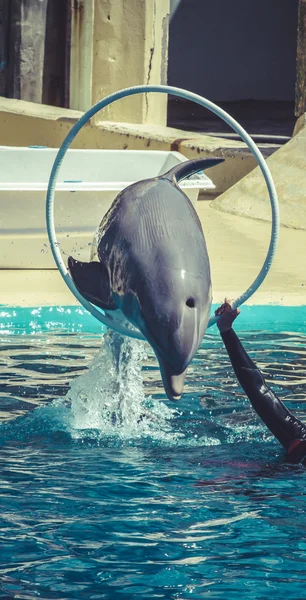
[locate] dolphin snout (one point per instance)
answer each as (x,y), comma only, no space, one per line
(176,339)
(173,383)
(177,346)
(185,338)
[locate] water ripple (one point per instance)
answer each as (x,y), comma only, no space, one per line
(216,512)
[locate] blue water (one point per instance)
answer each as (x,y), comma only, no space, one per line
(109,491)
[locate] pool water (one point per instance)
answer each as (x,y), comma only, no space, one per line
(110,491)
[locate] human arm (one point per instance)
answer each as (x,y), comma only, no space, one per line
(279,420)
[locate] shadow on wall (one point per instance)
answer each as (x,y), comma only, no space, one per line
(235,50)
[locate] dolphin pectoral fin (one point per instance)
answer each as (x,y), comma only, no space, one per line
(92,280)
(189,167)
(173,384)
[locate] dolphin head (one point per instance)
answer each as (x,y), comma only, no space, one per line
(172,312)
(170,307)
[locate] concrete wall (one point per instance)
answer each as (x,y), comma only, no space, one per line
(3,47)
(234,49)
(35,50)
(130,48)
(27,48)
(300,90)
(56,55)
(249,197)
(110,45)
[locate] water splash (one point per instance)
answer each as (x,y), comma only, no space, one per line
(109,404)
(106,405)
(110,400)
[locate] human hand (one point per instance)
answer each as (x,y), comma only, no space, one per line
(227,315)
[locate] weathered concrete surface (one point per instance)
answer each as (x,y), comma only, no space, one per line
(25,123)
(130,47)
(81,54)
(27,49)
(237,247)
(300,87)
(249,197)
(300,123)
(238,159)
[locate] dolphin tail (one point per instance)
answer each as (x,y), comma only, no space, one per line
(189,167)
(92,281)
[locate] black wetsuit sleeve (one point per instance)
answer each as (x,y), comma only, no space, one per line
(284,426)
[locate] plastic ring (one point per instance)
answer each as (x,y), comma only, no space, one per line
(107,319)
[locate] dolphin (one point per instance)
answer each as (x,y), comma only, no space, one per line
(153,266)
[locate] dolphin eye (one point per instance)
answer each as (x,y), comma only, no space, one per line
(190,302)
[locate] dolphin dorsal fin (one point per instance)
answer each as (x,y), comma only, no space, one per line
(186,168)
(92,280)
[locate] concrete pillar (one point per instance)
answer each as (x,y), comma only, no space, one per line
(28,26)
(81,54)
(130,47)
(57,55)
(300,90)
(4,24)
